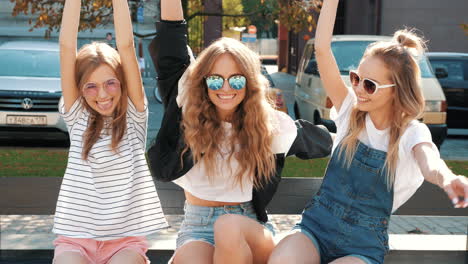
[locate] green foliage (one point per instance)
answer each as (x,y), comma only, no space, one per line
(465,28)
(295,15)
(195,25)
(46,13)
(266,17)
(234,7)
(42,162)
(298,15)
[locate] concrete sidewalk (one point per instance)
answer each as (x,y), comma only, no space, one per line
(33,232)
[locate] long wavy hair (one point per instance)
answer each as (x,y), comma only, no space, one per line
(88,59)
(252,129)
(400,58)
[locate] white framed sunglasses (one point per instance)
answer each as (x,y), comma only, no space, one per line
(369,86)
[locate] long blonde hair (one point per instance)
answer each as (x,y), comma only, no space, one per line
(88,59)
(252,130)
(408,101)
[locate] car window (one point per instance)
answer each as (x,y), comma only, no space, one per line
(29,63)
(454,69)
(348,54)
(309,63)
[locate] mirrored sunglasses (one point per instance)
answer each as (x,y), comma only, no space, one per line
(216,82)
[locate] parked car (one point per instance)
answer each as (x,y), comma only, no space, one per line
(312,103)
(30,90)
(275,94)
(452,71)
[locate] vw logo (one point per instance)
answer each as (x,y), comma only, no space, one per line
(27,103)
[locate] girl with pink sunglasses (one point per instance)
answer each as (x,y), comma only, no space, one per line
(107,202)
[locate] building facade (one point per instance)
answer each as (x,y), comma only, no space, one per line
(439,22)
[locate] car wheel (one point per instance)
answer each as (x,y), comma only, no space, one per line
(156,95)
(296,111)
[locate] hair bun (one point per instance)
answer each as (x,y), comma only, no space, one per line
(409,39)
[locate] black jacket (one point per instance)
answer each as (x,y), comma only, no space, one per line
(170,57)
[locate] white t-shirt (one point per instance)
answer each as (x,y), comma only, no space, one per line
(222,187)
(408,176)
(111,195)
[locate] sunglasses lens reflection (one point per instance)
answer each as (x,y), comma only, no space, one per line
(237,82)
(354,78)
(214,82)
(369,86)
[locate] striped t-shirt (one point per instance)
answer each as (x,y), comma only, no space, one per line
(110,195)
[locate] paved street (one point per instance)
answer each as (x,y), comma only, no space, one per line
(34,231)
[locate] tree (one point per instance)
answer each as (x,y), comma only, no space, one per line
(294,14)
(465,28)
(234,7)
(297,15)
(266,18)
(48,13)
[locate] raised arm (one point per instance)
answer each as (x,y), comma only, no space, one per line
(329,71)
(169,50)
(68,45)
(171,10)
(126,48)
(436,172)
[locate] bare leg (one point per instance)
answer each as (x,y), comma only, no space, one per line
(295,248)
(195,252)
(239,239)
(70,257)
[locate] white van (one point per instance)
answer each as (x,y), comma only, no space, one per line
(30,90)
(312,103)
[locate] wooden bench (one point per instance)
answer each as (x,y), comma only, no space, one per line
(38,195)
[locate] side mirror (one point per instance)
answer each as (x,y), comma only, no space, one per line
(441,73)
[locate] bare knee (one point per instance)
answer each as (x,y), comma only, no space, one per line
(278,259)
(295,248)
(227,232)
(194,253)
(70,257)
(127,256)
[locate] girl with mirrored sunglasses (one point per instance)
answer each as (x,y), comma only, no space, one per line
(223,142)
(381,154)
(108,201)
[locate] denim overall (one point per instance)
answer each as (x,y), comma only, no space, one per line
(350,213)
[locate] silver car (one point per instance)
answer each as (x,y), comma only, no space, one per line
(30,90)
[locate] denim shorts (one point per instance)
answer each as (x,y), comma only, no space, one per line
(337,233)
(198,224)
(313,239)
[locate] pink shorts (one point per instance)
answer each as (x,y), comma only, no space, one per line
(100,252)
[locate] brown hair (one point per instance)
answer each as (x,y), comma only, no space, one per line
(88,59)
(398,55)
(252,129)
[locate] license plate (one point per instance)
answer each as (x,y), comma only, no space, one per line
(26,120)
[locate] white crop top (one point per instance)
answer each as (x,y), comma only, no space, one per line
(222,187)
